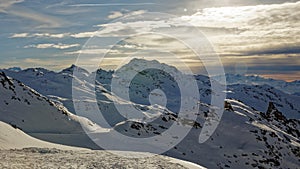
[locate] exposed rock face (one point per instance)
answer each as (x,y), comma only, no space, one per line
(274,113)
(228,106)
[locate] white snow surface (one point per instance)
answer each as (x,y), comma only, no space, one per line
(19,150)
(12,138)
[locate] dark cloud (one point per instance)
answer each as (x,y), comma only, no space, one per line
(275,51)
(266,69)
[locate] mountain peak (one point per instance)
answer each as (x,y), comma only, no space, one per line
(274,113)
(142,61)
(271,108)
(4,79)
(145,63)
(74,67)
(14,69)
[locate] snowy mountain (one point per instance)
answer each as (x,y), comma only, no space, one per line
(287,87)
(16,69)
(296,94)
(35,114)
(259,96)
(260,126)
(256,96)
(58,87)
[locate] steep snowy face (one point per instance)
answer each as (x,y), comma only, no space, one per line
(245,138)
(154,85)
(30,111)
(44,81)
(55,85)
(259,96)
(35,114)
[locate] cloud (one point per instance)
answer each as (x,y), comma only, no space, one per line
(118,14)
(5,4)
(138,12)
(111,4)
(263,29)
(115,14)
(88,51)
(236,31)
(83,34)
(50,45)
(51,35)
(274,50)
(39,35)
(20,35)
(45,20)
(259,35)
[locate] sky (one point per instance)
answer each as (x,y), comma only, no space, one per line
(251,37)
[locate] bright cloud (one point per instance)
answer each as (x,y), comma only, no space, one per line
(118,14)
(50,45)
(111,4)
(39,35)
(263,27)
(115,14)
(20,35)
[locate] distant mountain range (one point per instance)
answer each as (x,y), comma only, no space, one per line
(287,87)
(260,126)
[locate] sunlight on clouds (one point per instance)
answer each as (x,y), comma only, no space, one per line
(265,33)
(287,76)
(118,14)
(93,52)
(39,35)
(264,26)
(115,14)
(255,35)
(54,64)
(50,45)
(20,35)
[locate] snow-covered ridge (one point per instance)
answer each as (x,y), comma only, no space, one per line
(260,127)
(26,109)
(59,85)
(288,87)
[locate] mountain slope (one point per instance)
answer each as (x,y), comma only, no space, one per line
(35,114)
(287,87)
(259,96)
(13,138)
(245,138)
(42,154)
